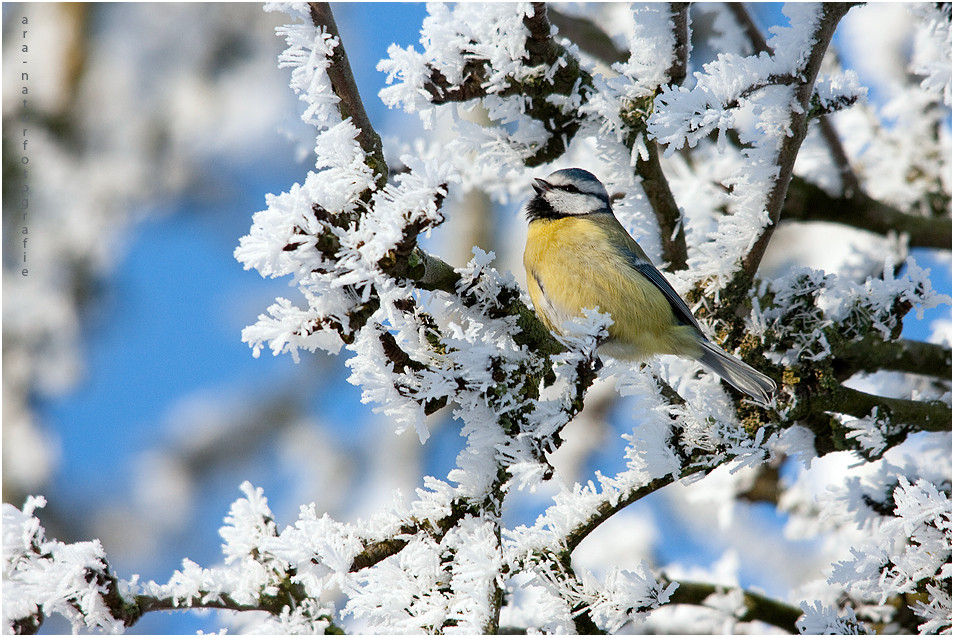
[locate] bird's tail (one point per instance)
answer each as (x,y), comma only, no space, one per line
(738,374)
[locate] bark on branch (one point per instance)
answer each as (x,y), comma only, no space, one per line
(672,233)
(808,202)
(680,31)
(904,415)
(872,354)
(351,105)
(757,607)
(589,36)
(831,14)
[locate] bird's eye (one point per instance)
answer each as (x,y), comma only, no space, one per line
(571,188)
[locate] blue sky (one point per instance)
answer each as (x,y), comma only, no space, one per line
(179,264)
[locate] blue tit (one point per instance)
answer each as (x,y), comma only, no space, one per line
(578,255)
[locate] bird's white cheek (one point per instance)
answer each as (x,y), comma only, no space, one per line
(560,201)
(574,203)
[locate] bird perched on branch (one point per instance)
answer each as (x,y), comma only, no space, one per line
(578,256)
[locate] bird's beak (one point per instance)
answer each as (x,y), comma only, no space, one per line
(541,186)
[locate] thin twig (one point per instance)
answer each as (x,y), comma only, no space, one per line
(849,180)
(672,233)
(680,31)
(351,105)
(752,31)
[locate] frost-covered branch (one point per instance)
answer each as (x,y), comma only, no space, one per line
(829,16)
(91,596)
(689,452)
(380,549)
(847,338)
(351,105)
(544,70)
(757,40)
(918,574)
(806,201)
(469,342)
(431,273)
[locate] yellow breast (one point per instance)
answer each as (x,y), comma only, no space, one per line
(571,264)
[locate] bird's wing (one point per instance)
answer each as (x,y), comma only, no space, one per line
(641,263)
(679,307)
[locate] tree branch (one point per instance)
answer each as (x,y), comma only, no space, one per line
(543,51)
(757,607)
(906,415)
(541,48)
(437,274)
(374,552)
(609,508)
(654,182)
(129,611)
(848,178)
(808,202)
(588,36)
(671,229)
(831,15)
(594,41)
(752,31)
(351,105)
(582,619)
(872,354)
(680,31)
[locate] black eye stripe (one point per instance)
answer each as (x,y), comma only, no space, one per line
(574,189)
